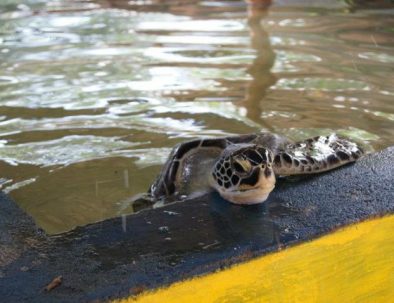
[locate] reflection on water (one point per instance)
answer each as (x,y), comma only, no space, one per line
(93,94)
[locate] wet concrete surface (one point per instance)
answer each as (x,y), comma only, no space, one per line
(124,256)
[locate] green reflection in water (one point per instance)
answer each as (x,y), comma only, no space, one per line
(322,84)
(381,57)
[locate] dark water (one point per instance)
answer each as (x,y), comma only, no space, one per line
(93,94)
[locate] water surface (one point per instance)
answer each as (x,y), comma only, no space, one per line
(93,94)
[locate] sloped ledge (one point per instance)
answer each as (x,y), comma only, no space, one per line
(119,256)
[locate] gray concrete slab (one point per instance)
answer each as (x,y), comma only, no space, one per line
(155,247)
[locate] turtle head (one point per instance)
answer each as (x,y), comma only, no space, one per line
(243,174)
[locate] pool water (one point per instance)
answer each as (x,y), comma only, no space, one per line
(94,94)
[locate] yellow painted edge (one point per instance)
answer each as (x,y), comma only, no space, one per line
(355,264)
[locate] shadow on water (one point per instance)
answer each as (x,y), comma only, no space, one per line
(260,69)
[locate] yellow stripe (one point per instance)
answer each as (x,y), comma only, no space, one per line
(355,264)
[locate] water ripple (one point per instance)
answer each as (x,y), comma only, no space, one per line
(321,84)
(64,151)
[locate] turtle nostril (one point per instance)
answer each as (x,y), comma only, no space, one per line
(267,172)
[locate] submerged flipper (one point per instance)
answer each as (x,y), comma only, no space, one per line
(183,167)
(316,155)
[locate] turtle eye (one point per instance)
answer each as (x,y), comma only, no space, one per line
(238,167)
(242,166)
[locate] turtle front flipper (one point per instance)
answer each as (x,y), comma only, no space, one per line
(315,155)
(187,168)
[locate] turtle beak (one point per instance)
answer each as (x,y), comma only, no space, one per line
(261,177)
(253,178)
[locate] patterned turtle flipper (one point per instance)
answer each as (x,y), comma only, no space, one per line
(315,155)
(169,180)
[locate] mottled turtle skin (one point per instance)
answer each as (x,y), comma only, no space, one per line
(243,168)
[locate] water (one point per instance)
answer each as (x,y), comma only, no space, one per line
(93,94)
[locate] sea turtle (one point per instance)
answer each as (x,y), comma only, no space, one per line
(243,168)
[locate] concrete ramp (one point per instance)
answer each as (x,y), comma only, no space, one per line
(153,248)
